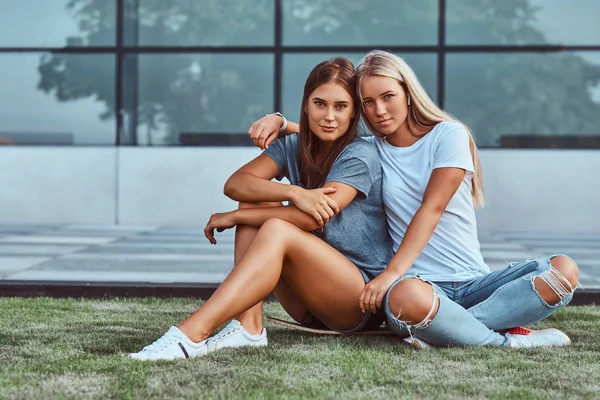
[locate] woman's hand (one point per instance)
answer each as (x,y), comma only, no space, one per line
(220,222)
(372,295)
(316,203)
(265,130)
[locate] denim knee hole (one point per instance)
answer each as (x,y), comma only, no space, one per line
(552,277)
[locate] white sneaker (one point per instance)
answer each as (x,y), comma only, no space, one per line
(418,344)
(541,338)
(234,335)
(172,345)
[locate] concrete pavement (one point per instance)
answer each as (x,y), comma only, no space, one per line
(179,258)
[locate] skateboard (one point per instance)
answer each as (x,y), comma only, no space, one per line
(297,326)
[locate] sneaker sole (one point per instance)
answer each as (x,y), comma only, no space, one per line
(417,344)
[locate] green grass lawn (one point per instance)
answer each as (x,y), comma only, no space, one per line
(53,348)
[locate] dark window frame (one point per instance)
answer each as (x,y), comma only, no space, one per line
(120,50)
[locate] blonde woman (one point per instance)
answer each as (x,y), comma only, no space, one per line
(437,288)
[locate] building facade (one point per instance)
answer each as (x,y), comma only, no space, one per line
(136,111)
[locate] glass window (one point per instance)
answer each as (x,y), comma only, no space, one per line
(502,95)
(187,94)
(57,98)
(204,23)
(296,68)
(34,23)
(359,22)
(476,22)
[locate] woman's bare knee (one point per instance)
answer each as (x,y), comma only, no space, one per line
(567,268)
(276,225)
(557,282)
(277,232)
(412,300)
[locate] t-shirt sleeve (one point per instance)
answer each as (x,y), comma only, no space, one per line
(351,171)
(369,139)
(277,152)
(453,150)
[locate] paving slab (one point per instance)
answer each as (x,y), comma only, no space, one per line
(37,249)
(30,239)
(74,233)
(548,235)
(587,244)
(158,249)
(16,230)
(119,228)
(588,280)
(164,239)
(178,231)
(140,266)
(118,276)
(10,265)
(109,255)
(204,258)
(570,251)
(169,245)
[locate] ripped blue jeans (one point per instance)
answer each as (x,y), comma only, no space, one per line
(472,312)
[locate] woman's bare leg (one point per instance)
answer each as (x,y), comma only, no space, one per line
(250,319)
(322,278)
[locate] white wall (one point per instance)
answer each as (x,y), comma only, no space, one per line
(57,185)
(527,190)
(176,186)
(541,190)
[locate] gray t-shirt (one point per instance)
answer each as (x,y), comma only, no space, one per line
(360,230)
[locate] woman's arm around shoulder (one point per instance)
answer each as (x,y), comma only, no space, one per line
(265,130)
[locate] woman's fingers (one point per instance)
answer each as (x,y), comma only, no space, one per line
(266,137)
(329,190)
(329,210)
(373,302)
(264,133)
(361,299)
(270,139)
(379,301)
(251,130)
(330,202)
(317,216)
(324,215)
(209,232)
(260,131)
(370,298)
(364,299)
(255,132)
(333,205)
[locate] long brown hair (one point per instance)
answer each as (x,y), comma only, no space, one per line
(339,71)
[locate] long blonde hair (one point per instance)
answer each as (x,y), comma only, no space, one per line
(422,110)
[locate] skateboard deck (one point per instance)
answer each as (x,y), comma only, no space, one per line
(297,326)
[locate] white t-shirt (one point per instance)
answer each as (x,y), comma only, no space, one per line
(453,252)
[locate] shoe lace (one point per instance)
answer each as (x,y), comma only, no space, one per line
(228,330)
(163,341)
